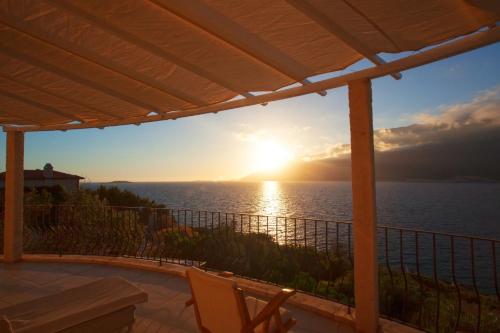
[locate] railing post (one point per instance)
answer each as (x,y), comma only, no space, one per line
(14,188)
(364,208)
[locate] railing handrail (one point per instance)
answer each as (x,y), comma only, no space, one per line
(380,226)
(440,233)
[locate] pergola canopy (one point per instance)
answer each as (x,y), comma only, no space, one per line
(92,63)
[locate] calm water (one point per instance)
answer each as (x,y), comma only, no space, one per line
(471,209)
(465,208)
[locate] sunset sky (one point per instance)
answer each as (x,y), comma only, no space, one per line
(232,144)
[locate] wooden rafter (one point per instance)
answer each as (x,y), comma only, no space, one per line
(373,24)
(59,96)
(98,60)
(220,27)
(40,106)
(447,50)
(20,117)
(317,16)
(93,84)
(153,49)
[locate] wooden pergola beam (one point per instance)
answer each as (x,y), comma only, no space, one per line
(20,117)
(14,191)
(458,46)
(364,207)
(92,84)
(234,35)
(42,107)
(59,96)
(99,60)
(314,14)
(160,52)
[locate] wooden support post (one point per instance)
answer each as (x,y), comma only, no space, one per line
(364,208)
(14,191)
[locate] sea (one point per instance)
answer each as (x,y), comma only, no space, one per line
(465,209)
(471,209)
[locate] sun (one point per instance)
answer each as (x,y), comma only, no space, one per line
(271,155)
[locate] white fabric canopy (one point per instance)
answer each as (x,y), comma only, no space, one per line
(92,61)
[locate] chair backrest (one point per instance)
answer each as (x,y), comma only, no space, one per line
(216,300)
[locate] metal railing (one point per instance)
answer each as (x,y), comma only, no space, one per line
(435,281)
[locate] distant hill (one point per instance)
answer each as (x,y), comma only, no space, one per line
(472,155)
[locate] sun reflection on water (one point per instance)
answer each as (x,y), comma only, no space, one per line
(271,202)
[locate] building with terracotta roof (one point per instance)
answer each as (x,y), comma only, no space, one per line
(46,178)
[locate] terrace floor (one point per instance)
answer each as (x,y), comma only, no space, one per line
(164,312)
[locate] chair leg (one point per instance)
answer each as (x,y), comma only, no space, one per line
(288,325)
(279,323)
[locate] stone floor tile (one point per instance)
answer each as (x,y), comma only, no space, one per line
(164,312)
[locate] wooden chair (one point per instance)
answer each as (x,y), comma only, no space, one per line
(220,307)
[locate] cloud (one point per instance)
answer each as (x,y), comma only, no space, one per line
(332,151)
(480,113)
(447,123)
(483,109)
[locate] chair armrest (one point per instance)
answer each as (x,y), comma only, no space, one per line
(272,307)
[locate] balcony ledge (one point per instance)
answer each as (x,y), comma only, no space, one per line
(322,307)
